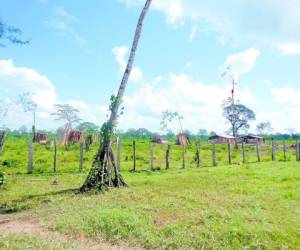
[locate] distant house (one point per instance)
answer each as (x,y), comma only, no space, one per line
(159,140)
(41,138)
(222,139)
(183,139)
(252,139)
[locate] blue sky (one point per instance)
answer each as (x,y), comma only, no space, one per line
(78,49)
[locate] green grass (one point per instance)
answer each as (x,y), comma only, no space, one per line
(250,206)
(25,241)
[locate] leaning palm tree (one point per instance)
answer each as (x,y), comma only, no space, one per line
(104,173)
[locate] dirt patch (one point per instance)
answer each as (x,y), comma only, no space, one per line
(9,225)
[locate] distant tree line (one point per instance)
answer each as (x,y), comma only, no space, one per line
(143,133)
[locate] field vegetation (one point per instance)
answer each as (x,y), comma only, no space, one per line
(252,205)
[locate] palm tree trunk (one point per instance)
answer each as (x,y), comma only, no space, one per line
(104,172)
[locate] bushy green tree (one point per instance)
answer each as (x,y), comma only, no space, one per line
(238,116)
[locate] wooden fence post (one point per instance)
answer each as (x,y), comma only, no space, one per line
(55,181)
(54,157)
(118,153)
(229,153)
(30,158)
(297,151)
(81,156)
(134,155)
(214,160)
(2,138)
(167,157)
(198,159)
(183,155)
(273,150)
(284,150)
(151,156)
(257,151)
(244,152)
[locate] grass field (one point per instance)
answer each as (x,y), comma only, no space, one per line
(250,206)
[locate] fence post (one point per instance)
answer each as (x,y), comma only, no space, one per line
(244,152)
(183,155)
(54,157)
(297,151)
(257,151)
(167,157)
(134,155)
(81,156)
(151,156)
(118,153)
(2,138)
(30,157)
(229,154)
(198,159)
(273,150)
(284,150)
(214,160)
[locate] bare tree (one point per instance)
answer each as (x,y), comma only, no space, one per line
(234,82)
(4,109)
(168,117)
(104,172)
(67,114)
(264,128)
(30,106)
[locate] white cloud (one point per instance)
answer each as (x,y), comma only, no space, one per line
(199,103)
(287,96)
(193,33)
(63,22)
(289,48)
(262,22)
(242,63)
(16,80)
(173,9)
(120,53)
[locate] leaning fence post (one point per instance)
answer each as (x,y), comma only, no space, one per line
(167,157)
(54,157)
(134,155)
(284,150)
(118,153)
(257,151)
(244,152)
(229,153)
(214,160)
(183,155)
(151,156)
(30,158)
(81,156)
(198,159)
(273,150)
